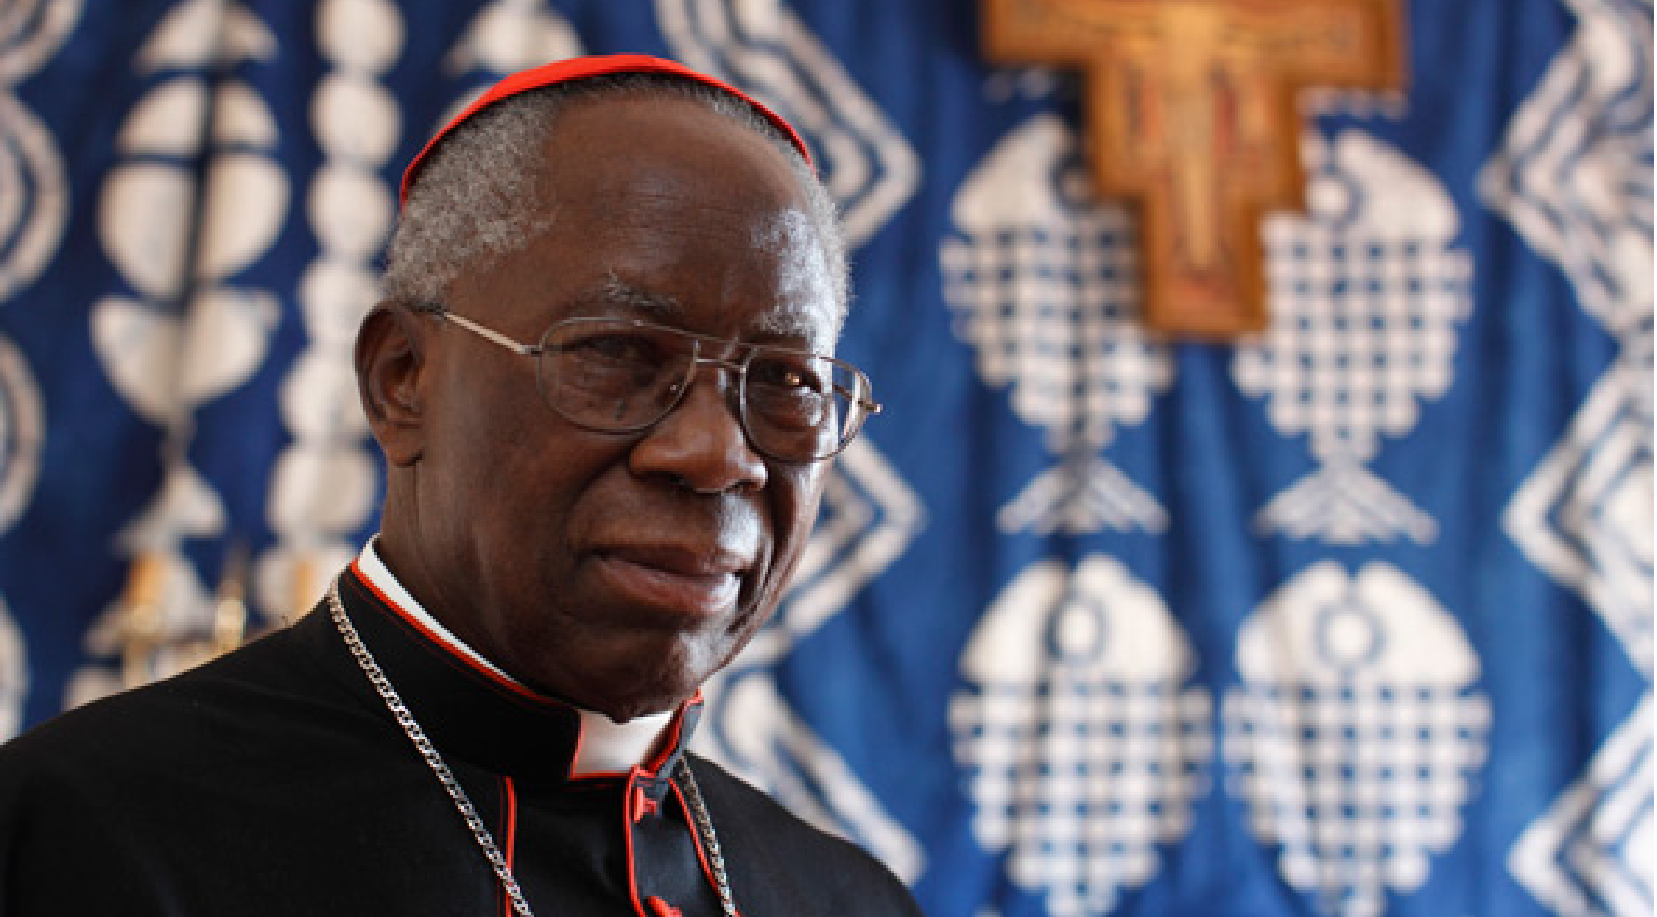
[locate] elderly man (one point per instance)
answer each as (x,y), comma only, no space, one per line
(602,383)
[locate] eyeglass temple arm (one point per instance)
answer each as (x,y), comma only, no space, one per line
(872,407)
(485,333)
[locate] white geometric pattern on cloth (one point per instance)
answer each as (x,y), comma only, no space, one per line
(21,435)
(179,233)
(1082,745)
(1356,733)
(1591,853)
(1574,177)
(14,674)
(1574,173)
(507,36)
(1044,283)
(869,517)
(869,167)
(324,483)
(22,432)
(511,35)
(1585,514)
(31,169)
(1365,294)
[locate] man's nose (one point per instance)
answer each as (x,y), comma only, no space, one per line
(701,441)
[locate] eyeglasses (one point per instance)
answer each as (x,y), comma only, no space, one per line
(619,375)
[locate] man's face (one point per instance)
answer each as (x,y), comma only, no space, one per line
(619,570)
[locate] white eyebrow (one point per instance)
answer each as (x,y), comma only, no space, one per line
(657,305)
(790,322)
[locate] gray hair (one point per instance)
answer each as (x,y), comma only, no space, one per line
(477,197)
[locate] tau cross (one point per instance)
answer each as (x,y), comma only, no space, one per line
(1192,114)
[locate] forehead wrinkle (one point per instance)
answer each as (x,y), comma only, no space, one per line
(784,320)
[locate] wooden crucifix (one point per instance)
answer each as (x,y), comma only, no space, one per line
(1191,116)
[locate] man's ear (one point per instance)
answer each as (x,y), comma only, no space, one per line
(390,356)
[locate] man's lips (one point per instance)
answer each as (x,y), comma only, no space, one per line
(677,579)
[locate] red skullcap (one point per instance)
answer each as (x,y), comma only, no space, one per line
(577,68)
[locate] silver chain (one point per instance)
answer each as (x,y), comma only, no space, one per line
(480,832)
(704,825)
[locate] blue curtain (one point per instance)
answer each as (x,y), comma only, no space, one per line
(1353,617)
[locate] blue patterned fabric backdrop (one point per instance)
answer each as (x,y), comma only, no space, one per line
(1352,618)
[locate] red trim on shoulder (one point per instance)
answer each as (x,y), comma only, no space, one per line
(436,640)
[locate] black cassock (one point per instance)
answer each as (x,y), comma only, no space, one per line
(275,781)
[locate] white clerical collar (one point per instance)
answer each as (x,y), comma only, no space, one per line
(606,747)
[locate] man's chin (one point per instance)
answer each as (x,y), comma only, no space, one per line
(624,689)
(623,708)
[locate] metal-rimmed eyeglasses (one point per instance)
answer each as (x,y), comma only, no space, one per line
(623,375)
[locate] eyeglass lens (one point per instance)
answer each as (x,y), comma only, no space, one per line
(620,376)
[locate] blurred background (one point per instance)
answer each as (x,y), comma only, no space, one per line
(1261,518)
